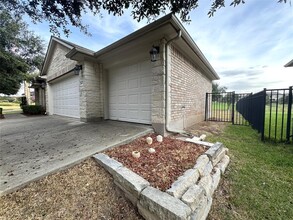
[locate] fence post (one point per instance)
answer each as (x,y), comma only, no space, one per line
(233,110)
(206,107)
(289,115)
(264,114)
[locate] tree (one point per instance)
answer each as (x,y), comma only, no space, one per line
(61,13)
(218,89)
(21,52)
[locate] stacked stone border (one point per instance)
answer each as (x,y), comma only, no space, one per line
(190,196)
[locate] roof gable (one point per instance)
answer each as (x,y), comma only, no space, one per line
(50,51)
(51,47)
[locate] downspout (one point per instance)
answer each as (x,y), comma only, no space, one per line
(167,83)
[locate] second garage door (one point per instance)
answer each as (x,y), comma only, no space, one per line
(130,93)
(66,97)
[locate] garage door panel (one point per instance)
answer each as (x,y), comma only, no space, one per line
(133,83)
(66,97)
(137,105)
(145,81)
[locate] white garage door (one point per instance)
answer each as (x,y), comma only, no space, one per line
(130,93)
(66,97)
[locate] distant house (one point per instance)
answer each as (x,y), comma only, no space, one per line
(290,64)
(39,85)
(119,82)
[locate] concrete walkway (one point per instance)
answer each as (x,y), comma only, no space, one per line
(32,147)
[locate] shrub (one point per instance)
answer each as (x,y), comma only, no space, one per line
(33,109)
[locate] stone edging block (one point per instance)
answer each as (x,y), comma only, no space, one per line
(214,151)
(132,182)
(190,196)
(201,163)
(163,205)
(180,186)
(193,196)
(108,163)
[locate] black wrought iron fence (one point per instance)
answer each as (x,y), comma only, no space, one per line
(252,109)
(268,111)
(221,107)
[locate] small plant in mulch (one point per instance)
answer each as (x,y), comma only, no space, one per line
(171,159)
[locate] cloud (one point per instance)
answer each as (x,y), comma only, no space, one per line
(249,72)
(254,80)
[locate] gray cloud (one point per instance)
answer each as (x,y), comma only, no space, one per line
(244,72)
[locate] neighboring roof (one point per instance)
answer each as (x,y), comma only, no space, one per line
(290,64)
(169,19)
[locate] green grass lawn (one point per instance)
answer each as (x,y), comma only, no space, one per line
(276,122)
(10,107)
(258,183)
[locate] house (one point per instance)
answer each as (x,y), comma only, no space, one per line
(119,82)
(39,85)
(289,64)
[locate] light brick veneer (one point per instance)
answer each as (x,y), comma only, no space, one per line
(158,92)
(188,89)
(59,64)
(91,92)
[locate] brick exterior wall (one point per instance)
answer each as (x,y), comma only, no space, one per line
(188,88)
(91,92)
(59,64)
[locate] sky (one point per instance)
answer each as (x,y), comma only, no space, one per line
(248,45)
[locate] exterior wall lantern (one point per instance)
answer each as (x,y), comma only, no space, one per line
(43,85)
(77,69)
(154,53)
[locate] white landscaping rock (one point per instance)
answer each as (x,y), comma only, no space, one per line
(202,137)
(163,205)
(193,196)
(108,163)
(180,186)
(208,144)
(130,181)
(201,163)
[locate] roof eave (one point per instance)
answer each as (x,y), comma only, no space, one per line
(289,64)
(194,47)
(76,51)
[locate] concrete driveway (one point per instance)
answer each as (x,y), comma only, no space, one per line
(32,147)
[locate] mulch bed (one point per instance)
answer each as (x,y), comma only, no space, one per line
(171,159)
(85,191)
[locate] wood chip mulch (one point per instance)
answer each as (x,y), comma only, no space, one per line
(85,191)
(171,159)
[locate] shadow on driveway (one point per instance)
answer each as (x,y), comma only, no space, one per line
(32,147)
